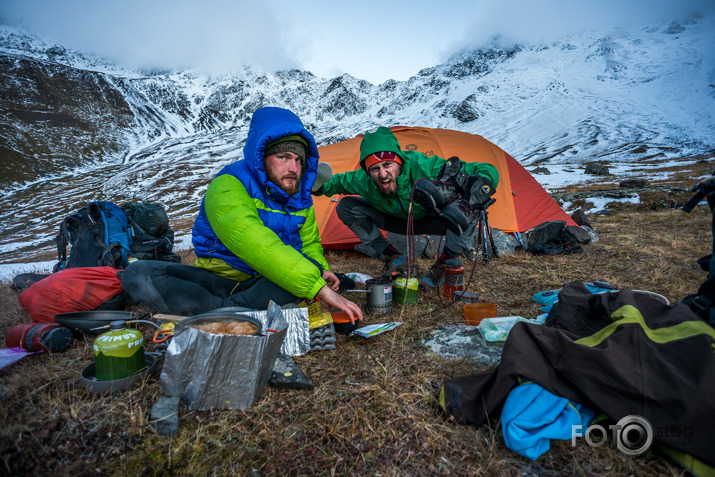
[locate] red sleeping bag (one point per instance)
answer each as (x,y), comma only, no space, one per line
(70,290)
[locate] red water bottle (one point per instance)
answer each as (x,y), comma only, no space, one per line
(453,277)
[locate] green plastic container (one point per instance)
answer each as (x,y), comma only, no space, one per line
(118,353)
(406,291)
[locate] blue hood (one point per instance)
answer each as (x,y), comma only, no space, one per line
(267,125)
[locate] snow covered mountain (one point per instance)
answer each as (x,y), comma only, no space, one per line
(74,128)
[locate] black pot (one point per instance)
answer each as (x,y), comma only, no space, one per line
(86,321)
(220,314)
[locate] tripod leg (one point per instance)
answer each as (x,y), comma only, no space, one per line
(483,226)
(491,237)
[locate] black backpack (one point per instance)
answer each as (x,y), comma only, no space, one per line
(99,235)
(152,239)
(703,302)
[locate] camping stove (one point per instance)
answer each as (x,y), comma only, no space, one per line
(379,296)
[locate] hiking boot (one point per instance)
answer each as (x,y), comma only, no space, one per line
(478,192)
(434,276)
(390,253)
(367,250)
(434,195)
(452,173)
(458,216)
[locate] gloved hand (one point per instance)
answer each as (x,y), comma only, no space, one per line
(479,192)
(324,174)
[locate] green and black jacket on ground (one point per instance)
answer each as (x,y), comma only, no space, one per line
(623,353)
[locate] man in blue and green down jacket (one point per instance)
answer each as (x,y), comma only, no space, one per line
(255,237)
(447,196)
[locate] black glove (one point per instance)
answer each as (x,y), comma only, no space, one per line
(479,192)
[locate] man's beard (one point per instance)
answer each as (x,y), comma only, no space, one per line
(285,188)
(389,193)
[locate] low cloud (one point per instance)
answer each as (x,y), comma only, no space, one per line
(213,36)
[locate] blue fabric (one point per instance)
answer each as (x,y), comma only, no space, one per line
(532,416)
(549,297)
(267,125)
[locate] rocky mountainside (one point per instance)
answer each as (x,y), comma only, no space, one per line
(75,128)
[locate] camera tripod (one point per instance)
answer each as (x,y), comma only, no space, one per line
(484,236)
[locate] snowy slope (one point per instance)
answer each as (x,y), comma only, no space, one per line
(75,128)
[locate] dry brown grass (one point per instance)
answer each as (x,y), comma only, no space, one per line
(373,410)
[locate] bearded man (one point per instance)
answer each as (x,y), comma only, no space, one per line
(255,238)
(447,197)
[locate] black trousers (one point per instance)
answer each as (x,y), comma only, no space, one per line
(177,289)
(366,222)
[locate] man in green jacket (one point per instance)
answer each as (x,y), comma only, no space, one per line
(447,196)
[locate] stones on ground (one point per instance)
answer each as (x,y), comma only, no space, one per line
(506,244)
(541,170)
(592,233)
(460,341)
(597,168)
(633,184)
(287,374)
(579,216)
(400,242)
(579,234)
(165,416)
(435,246)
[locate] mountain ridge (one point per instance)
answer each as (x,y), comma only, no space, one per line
(101,130)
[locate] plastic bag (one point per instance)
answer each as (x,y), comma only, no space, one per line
(497,329)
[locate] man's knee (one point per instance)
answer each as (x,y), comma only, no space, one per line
(346,209)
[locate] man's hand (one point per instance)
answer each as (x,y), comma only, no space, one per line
(330,297)
(332,280)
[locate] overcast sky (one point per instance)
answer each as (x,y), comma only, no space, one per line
(370,39)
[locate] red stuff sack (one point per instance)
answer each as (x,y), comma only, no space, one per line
(70,290)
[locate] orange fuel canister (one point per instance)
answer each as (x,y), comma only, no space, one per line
(453,277)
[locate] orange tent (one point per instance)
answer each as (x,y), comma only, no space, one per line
(521,202)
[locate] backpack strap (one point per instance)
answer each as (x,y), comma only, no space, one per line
(136,229)
(62,240)
(111,254)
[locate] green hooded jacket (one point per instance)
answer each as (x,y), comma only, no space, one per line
(415,166)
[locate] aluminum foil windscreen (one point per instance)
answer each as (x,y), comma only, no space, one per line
(210,371)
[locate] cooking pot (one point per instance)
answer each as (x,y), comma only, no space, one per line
(220,314)
(89,321)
